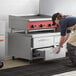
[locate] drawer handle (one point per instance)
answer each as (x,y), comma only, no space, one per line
(43,40)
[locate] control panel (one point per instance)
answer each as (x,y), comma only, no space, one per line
(41,25)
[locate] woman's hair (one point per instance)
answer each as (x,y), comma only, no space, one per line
(56,15)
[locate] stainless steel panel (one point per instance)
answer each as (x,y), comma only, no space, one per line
(19,46)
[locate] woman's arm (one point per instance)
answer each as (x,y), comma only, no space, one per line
(63,39)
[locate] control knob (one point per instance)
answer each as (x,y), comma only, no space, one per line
(50,25)
(33,26)
(42,25)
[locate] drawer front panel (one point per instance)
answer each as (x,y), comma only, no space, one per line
(42,42)
(50,54)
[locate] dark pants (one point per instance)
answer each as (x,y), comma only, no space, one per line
(72,53)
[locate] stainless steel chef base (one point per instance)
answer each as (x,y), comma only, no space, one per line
(35,46)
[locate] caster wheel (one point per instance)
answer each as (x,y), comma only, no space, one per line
(13,58)
(1,64)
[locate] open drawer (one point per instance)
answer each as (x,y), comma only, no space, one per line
(50,53)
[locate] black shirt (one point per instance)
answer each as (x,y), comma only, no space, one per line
(65,23)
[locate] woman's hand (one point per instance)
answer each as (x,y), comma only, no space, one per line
(57,50)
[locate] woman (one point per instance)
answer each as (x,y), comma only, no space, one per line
(66,24)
